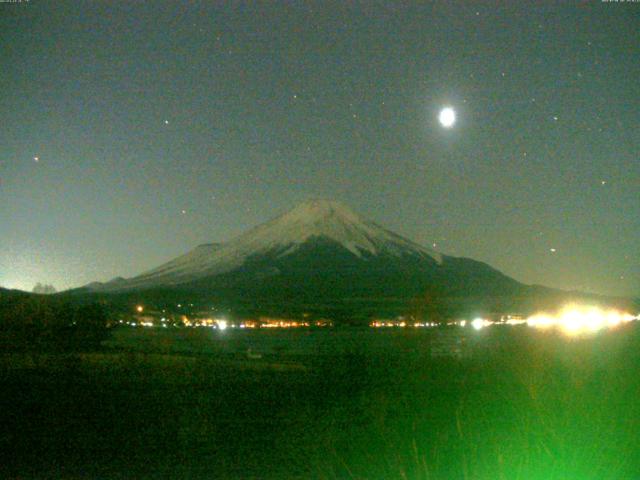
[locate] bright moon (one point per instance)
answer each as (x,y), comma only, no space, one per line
(447,117)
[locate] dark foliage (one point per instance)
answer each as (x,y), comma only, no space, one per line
(30,322)
(527,405)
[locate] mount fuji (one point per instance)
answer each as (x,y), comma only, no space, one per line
(317,221)
(319,256)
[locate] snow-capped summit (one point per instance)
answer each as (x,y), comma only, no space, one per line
(324,260)
(333,221)
(324,220)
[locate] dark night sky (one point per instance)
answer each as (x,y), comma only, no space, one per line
(160,126)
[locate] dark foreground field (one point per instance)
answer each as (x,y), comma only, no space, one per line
(526,405)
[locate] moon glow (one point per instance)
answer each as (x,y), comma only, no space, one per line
(447,117)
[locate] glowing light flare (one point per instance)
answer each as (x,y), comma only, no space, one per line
(613,319)
(515,321)
(571,322)
(594,320)
(541,321)
(447,117)
(576,319)
(222,324)
(479,323)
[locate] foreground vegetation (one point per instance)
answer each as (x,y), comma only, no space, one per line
(30,322)
(526,405)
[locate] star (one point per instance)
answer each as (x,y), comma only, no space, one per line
(603,182)
(166,122)
(36,159)
(183,211)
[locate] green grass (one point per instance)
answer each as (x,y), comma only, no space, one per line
(526,405)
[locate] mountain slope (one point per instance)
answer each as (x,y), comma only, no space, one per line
(322,258)
(280,237)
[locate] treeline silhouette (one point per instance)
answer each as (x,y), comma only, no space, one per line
(46,289)
(38,322)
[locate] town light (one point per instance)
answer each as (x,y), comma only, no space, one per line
(578,319)
(222,324)
(477,323)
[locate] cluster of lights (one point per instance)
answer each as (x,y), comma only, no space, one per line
(285,324)
(401,324)
(142,324)
(268,322)
(219,323)
(224,324)
(575,320)
(572,320)
(382,323)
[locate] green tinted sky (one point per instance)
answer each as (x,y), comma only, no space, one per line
(162,125)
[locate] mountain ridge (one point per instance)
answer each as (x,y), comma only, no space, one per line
(282,235)
(323,259)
